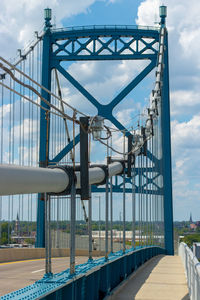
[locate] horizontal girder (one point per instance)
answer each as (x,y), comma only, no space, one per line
(104,43)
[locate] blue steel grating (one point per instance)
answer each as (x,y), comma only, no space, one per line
(48,285)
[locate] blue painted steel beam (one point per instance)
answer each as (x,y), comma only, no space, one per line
(132,84)
(166,159)
(104,57)
(92,280)
(105,31)
(44,145)
(106,110)
(115,34)
(77,85)
(75,44)
(119,189)
(65,150)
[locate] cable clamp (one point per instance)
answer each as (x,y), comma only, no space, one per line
(69,170)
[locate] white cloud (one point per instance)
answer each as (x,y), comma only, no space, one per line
(184,102)
(186,159)
(183,24)
(125,116)
(19,19)
(98,77)
(185,134)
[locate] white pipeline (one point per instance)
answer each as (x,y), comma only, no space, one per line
(28,180)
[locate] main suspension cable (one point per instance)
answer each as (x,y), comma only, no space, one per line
(35,82)
(36,92)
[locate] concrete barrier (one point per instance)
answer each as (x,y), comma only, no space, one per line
(16,254)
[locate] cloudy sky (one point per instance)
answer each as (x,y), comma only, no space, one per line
(19,19)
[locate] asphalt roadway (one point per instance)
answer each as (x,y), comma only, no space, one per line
(16,275)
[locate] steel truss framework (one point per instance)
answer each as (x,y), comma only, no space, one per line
(107,43)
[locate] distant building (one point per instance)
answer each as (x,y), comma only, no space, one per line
(190,218)
(193,226)
(198,223)
(17,226)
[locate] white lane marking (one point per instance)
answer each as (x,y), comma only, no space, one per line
(38,271)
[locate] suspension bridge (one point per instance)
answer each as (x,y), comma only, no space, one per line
(70,166)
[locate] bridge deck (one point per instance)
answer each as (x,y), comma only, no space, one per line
(16,275)
(160,278)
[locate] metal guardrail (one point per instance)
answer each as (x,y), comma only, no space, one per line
(91,280)
(106,27)
(192,270)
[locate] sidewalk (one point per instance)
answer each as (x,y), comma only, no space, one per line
(161,278)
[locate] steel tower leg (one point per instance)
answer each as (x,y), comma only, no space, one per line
(44,136)
(166,156)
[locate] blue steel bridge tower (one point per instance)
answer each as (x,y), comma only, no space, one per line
(67,44)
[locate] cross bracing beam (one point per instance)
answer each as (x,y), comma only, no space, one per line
(106,110)
(105,43)
(103,110)
(118,187)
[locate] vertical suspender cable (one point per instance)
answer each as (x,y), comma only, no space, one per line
(20,138)
(29,137)
(13,141)
(47,235)
(111,207)
(106,220)
(133,206)
(72,227)
(23,124)
(111,216)
(99,223)
(150,195)
(10,131)
(147,204)
(124,202)
(32,130)
(142,212)
(48,199)
(155,202)
(57,224)
(152,189)
(89,200)
(90,222)
(157,211)
(2,148)
(140,192)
